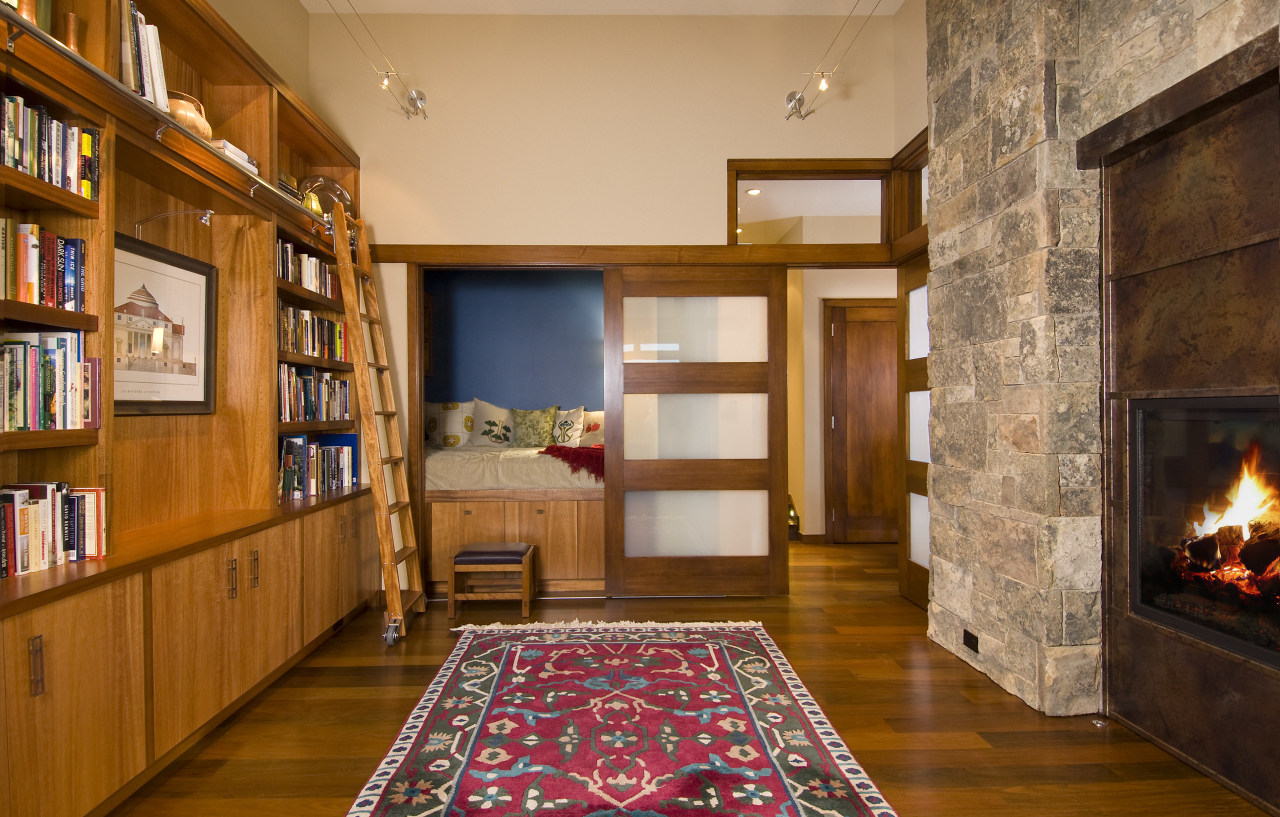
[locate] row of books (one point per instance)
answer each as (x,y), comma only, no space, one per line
(141,64)
(312,467)
(47,382)
(305,333)
(288,182)
(38,266)
(308,396)
(46,524)
(308,271)
(49,149)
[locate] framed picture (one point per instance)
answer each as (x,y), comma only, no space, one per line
(164,327)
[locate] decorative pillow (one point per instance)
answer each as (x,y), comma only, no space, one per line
(568,428)
(492,426)
(449,424)
(592,429)
(533,428)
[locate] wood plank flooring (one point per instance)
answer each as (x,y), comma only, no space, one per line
(937,736)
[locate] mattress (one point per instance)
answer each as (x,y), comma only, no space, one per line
(468,468)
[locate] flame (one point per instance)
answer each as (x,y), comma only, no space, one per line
(1247,500)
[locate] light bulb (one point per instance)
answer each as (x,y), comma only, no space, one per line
(386,80)
(822,84)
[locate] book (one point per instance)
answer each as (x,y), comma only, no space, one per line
(160,90)
(144,57)
(90,400)
(128,33)
(349,465)
(14,500)
(94,527)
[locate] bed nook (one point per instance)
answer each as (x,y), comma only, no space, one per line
(512,434)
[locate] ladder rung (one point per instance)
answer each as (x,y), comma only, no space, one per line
(404,553)
(397,507)
(382,367)
(369,319)
(384,413)
(391,460)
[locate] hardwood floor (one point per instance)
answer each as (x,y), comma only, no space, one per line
(938,737)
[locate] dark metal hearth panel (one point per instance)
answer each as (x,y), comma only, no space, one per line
(1191,311)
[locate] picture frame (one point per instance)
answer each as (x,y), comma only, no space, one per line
(164,331)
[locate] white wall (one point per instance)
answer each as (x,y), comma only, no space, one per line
(911,114)
(820,284)
(589,130)
(280,31)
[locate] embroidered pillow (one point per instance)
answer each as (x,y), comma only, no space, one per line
(449,424)
(568,428)
(493,427)
(592,429)
(533,428)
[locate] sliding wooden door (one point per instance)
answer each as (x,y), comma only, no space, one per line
(695,419)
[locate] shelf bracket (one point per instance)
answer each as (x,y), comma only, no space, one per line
(160,131)
(14,34)
(251,189)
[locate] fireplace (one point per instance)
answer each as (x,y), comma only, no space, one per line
(1205,520)
(1191,417)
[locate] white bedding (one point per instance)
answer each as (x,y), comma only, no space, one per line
(468,468)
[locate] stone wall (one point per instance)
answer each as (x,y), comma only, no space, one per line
(1014,367)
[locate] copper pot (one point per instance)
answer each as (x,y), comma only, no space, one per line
(189,113)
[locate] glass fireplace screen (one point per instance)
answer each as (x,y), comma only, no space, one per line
(1205,519)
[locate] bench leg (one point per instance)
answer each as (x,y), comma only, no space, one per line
(453,593)
(526,584)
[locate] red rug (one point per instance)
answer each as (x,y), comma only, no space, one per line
(618,720)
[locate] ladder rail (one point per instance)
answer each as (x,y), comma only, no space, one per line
(363,315)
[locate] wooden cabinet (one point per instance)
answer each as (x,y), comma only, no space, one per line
(339,565)
(74,710)
(222,620)
(569,535)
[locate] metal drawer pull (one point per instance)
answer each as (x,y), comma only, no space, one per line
(35,650)
(232,589)
(255,568)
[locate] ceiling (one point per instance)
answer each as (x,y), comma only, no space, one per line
(784,8)
(807,197)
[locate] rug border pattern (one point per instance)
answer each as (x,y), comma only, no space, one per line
(831,740)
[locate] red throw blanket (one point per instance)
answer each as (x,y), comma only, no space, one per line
(591,458)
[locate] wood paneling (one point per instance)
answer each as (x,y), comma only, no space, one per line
(696,378)
(89,720)
(454,524)
(591,540)
(271,619)
(811,256)
(324,537)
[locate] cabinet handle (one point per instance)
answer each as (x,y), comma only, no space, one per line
(255,569)
(232,589)
(542,510)
(342,529)
(466,513)
(35,650)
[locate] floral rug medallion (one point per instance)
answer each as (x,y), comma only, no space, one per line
(618,720)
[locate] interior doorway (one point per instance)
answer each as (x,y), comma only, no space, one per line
(862,448)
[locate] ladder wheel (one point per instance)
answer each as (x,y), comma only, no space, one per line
(392,634)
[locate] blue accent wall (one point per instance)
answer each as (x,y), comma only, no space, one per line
(518,339)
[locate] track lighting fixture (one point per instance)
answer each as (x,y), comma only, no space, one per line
(205,219)
(795,99)
(412,102)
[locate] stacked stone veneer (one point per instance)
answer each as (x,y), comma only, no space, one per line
(1014,369)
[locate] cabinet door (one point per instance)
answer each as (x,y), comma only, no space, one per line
(591,539)
(363,565)
(324,535)
(454,524)
(196,645)
(271,592)
(80,734)
(553,527)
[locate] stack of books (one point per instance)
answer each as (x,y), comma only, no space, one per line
(40,145)
(309,468)
(38,266)
(47,384)
(236,155)
(141,65)
(46,524)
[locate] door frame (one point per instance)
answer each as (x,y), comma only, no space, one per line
(833,382)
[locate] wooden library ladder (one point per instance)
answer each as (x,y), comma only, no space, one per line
(370,358)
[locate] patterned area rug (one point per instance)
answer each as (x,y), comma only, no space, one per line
(618,720)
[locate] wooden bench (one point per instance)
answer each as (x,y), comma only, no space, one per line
(492,557)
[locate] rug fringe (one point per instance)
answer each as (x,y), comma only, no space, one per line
(602,625)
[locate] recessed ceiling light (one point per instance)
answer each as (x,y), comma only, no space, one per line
(755,191)
(739,229)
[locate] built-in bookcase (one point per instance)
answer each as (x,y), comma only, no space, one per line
(197,540)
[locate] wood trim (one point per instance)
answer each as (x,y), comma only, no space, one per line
(780,566)
(917,477)
(914,155)
(910,246)
(915,584)
(696,475)
(748,575)
(774,169)
(515,495)
(695,378)
(915,374)
(614,496)
(1221,84)
(418,501)
(814,256)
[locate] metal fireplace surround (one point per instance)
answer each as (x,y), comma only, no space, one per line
(1190,319)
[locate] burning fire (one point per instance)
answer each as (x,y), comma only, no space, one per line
(1247,500)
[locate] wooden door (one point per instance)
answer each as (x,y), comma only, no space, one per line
(363,555)
(863,452)
(690,509)
(79,734)
(196,641)
(270,615)
(913,399)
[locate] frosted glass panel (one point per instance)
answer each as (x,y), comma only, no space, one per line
(918,323)
(924,194)
(695,330)
(695,426)
(697,523)
(918,425)
(920,529)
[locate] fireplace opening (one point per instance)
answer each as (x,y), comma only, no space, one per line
(1205,519)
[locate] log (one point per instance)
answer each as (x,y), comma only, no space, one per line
(1259,554)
